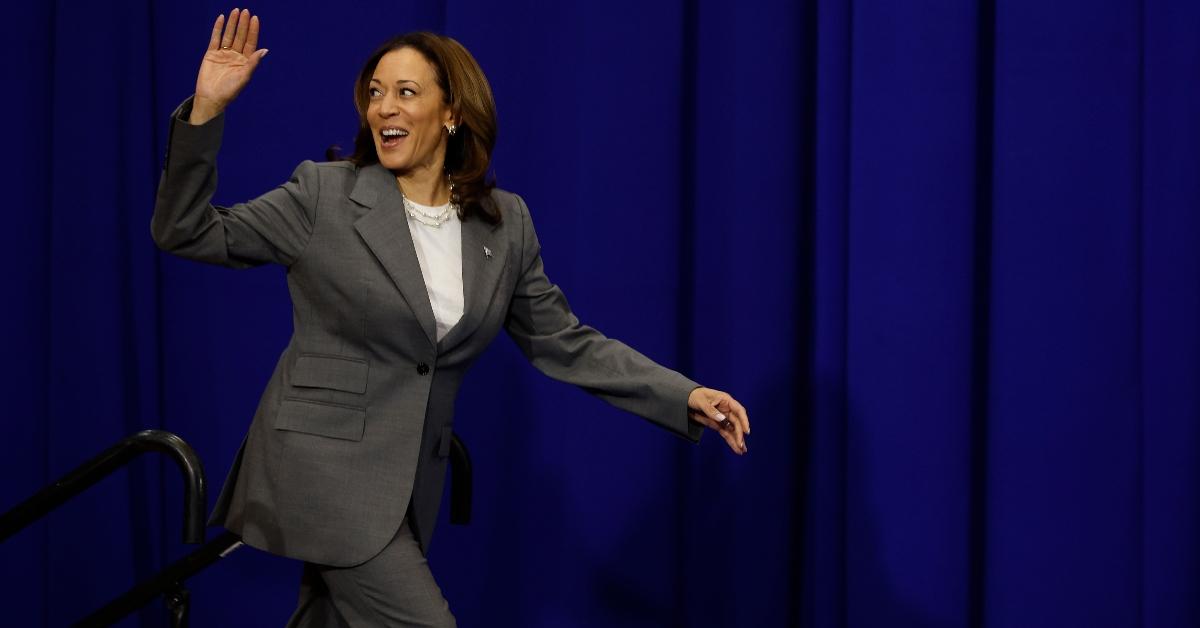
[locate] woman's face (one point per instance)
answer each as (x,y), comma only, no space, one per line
(407,114)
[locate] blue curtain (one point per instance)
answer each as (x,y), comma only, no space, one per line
(947,253)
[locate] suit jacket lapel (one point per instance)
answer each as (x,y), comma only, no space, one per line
(385,231)
(484,255)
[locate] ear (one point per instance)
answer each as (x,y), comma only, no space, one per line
(451,117)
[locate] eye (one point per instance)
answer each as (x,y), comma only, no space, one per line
(407,91)
(375,92)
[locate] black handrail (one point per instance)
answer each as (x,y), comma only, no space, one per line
(100,467)
(169,581)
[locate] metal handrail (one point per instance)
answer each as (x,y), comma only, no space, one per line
(169,581)
(103,465)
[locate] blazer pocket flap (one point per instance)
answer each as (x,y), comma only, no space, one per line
(322,419)
(326,371)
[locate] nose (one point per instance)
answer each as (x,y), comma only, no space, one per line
(389,106)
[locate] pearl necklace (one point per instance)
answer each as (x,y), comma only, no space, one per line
(425,218)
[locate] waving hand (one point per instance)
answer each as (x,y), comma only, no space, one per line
(231,58)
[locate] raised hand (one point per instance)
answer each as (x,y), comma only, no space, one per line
(231,58)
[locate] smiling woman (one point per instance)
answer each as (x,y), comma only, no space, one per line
(405,103)
(403,264)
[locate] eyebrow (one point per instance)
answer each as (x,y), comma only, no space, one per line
(375,80)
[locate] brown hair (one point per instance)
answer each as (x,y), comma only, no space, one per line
(465,89)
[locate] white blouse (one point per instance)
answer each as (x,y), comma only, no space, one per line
(439,250)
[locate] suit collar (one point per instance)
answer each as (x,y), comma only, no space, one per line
(484,255)
(385,231)
(371,183)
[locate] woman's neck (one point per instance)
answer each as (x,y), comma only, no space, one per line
(425,186)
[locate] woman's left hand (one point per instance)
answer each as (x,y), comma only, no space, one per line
(719,411)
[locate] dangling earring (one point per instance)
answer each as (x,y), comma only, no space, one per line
(453,128)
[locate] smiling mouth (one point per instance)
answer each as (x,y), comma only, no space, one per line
(390,137)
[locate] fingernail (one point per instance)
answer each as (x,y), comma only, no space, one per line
(720,417)
(264,53)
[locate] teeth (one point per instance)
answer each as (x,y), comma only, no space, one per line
(393,133)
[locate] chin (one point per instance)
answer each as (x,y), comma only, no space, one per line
(391,161)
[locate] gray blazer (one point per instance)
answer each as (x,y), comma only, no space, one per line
(354,427)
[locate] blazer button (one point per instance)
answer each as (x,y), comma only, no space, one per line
(422,369)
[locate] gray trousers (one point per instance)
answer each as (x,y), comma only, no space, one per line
(394,588)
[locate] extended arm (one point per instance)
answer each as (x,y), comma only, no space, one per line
(556,343)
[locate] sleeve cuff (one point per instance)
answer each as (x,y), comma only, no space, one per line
(183,137)
(691,430)
(183,112)
(694,430)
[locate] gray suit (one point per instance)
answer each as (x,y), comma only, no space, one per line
(356,419)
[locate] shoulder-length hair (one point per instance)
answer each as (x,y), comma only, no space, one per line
(465,89)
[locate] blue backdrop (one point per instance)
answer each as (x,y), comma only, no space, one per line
(947,253)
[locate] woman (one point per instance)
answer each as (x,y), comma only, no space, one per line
(403,264)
